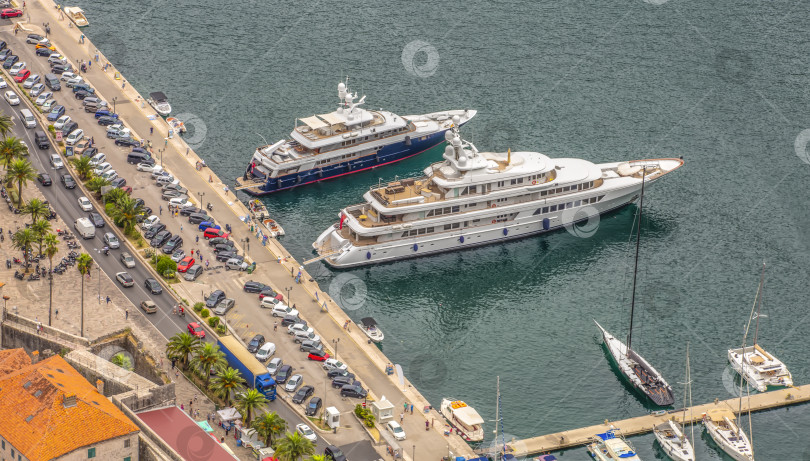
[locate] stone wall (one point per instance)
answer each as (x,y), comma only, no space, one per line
(150,440)
(142,361)
(16,336)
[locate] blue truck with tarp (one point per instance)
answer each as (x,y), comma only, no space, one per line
(252,370)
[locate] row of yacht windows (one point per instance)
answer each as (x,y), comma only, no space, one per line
(382,134)
(563,206)
(560,190)
(338,158)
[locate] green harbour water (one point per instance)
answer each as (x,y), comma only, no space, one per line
(724,84)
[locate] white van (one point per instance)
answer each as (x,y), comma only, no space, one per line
(74,137)
(27,118)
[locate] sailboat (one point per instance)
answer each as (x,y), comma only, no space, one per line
(671,435)
(761,368)
(641,375)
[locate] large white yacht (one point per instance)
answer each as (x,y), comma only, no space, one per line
(477,198)
(347,140)
(760,368)
(722,426)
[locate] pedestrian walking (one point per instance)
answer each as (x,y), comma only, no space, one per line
(89,64)
(126,314)
(401,417)
(151,130)
(275,326)
(160,209)
(181,228)
(174,360)
(124,85)
(411,408)
(206,264)
(427,425)
(57,313)
(197,240)
(192,252)
(404,405)
(108,300)
(182,407)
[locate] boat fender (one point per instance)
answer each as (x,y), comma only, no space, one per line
(368,255)
(506,232)
(546,224)
(415,247)
(407,140)
(461,239)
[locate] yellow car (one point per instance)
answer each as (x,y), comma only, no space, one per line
(50,47)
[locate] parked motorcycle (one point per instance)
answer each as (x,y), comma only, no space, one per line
(18,275)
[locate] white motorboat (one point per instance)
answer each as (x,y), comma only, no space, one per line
(260,215)
(721,425)
(371,329)
(464,419)
(674,442)
(160,103)
(609,447)
(760,368)
(76,14)
(477,198)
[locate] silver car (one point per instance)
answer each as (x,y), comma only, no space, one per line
(193,273)
(224,306)
(293,383)
(274,365)
(111,240)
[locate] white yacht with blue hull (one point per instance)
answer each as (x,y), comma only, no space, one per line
(477,198)
(349,140)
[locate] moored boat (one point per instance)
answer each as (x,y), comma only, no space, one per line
(348,140)
(464,419)
(608,447)
(674,442)
(722,426)
(178,125)
(75,14)
(258,212)
(371,329)
(160,103)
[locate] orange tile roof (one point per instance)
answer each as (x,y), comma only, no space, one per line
(13,359)
(35,420)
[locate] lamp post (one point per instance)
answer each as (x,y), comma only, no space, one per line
(201,194)
(413,455)
(5,300)
(113,100)
(336,341)
(50,295)
(99,283)
(288,290)
(161,156)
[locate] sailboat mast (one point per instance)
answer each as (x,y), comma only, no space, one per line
(759,307)
(497,417)
(635,267)
(742,359)
(688,395)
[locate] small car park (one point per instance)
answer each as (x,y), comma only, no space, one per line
(124,279)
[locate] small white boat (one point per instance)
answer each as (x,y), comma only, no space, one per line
(75,14)
(761,368)
(371,329)
(608,447)
(160,103)
(464,419)
(176,124)
(259,214)
(721,425)
(674,442)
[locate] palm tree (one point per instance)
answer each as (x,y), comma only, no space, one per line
(83,166)
(115,196)
(83,263)
(36,208)
(208,358)
(293,447)
(248,402)
(21,171)
(226,382)
(127,211)
(317,458)
(22,240)
(96,183)
(5,125)
(51,248)
(11,149)
(181,345)
(269,424)
(41,228)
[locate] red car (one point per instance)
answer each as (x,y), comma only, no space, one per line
(185,263)
(195,329)
(127,189)
(318,356)
(211,233)
(10,13)
(22,75)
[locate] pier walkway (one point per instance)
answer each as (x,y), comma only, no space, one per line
(644,424)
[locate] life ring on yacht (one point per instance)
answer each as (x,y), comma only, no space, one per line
(493,206)
(534,183)
(493,221)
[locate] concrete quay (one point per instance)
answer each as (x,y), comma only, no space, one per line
(643,424)
(365,359)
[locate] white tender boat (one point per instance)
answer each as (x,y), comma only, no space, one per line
(608,447)
(371,329)
(160,103)
(464,419)
(674,442)
(260,215)
(721,425)
(477,198)
(75,14)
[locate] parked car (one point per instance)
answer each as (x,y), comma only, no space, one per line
(36,91)
(309,345)
(224,306)
(396,430)
(330,364)
(266,351)
(43,51)
(215,298)
(281,309)
(290,320)
(186,211)
(292,384)
(196,218)
(317,356)
(208,225)
(153,286)
(271,293)
(41,97)
(179,202)
(10,13)
(18,67)
(74,137)
(283,374)
(109,175)
(255,343)
(212,233)
(335,372)
(304,393)
(127,259)
(236,264)
(172,244)
(22,75)
(178,255)
(314,406)
(56,112)
(160,238)
(124,279)
(216,241)
(196,329)
(333,453)
(61,122)
(127,142)
(107,120)
(10,61)
(44,179)
(253,287)
(149,222)
(185,264)
(193,273)
(301,336)
(31,80)
(148,167)
(274,365)
(351,390)
(154,230)
(292,329)
(340,381)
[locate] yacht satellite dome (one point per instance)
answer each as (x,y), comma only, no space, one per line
(448,135)
(456,120)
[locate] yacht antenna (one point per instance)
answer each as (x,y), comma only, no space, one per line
(759,307)
(635,268)
(265,141)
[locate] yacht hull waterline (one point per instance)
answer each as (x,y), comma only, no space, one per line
(416,226)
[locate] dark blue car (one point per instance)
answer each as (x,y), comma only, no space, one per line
(105,113)
(208,225)
(56,112)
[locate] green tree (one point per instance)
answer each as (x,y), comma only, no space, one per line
(5,125)
(84,263)
(122,361)
(293,447)
(165,266)
(10,150)
(317,458)
(22,240)
(226,382)
(269,425)
(116,196)
(126,213)
(208,358)
(182,345)
(21,171)
(83,166)
(249,402)
(51,248)
(41,228)
(96,183)
(36,208)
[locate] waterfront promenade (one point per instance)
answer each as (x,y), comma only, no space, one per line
(364,359)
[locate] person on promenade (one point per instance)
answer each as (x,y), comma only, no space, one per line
(401,417)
